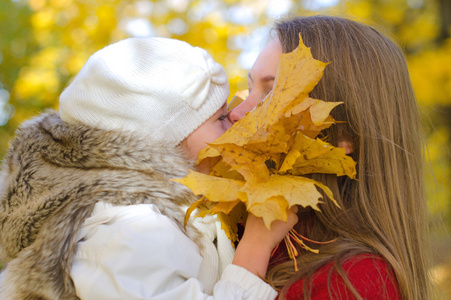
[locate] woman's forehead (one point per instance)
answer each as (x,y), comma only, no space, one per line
(266,63)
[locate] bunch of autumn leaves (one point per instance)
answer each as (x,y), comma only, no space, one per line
(259,164)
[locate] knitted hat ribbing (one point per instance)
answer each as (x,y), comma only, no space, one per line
(161,87)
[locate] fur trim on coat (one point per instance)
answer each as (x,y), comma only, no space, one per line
(53,175)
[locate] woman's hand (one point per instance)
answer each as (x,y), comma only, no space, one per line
(255,247)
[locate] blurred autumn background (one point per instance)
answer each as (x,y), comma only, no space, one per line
(44,43)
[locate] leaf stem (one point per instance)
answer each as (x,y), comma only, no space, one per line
(309,240)
(275,249)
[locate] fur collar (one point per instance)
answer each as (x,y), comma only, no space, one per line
(53,174)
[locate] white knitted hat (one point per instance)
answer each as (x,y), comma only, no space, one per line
(161,87)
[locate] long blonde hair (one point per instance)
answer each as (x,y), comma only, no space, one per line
(384,210)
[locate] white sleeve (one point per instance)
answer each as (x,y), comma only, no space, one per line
(137,253)
(238,283)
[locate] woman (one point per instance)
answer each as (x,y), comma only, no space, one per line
(380,229)
(88,208)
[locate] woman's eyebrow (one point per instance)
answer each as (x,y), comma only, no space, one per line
(268,78)
(264,78)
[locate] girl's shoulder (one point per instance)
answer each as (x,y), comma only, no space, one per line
(369,274)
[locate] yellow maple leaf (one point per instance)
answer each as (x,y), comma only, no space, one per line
(309,156)
(248,163)
(230,221)
(238,134)
(223,169)
(285,190)
(257,164)
(273,208)
(276,138)
(217,188)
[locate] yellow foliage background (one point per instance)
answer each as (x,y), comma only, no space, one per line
(44,43)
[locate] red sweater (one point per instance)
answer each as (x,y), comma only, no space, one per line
(369,274)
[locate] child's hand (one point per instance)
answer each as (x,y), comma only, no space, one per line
(254,250)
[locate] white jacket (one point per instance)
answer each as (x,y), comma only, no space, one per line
(57,228)
(135,252)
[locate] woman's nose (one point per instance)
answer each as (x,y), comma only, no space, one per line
(240,111)
(236,114)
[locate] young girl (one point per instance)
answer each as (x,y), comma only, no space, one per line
(380,229)
(88,208)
